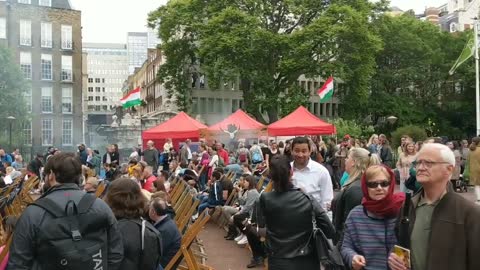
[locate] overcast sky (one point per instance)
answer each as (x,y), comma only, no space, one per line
(110,20)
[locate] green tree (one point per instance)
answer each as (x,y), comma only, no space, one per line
(352,128)
(268,44)
(12,101)
(412,80)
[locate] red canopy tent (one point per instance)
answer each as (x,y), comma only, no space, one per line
(245,125)
(300,122)
(178,128)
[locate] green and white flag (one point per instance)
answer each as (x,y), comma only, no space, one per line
(467,52)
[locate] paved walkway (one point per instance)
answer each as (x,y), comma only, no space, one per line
(223,254)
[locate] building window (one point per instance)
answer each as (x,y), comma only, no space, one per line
(47,126)
(67,100)
(97,89)
(25,32)
(103,80)
(97,98)
(24,2)
(27,133)
(67,43)
(235,105)
(46,100)
(3,28)
(46,35)
(90,80)
(46,3)
(218,105)
(66,68)
(90,98)
(97,80)
(46,63)
(211,108)
(90,89)
(26,64)
(28,99)
(67,133)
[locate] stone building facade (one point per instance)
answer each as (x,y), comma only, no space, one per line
(45,38)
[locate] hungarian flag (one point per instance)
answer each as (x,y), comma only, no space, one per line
(131,99)
(326,92)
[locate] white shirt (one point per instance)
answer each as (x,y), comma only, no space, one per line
(189,156)
(315,180)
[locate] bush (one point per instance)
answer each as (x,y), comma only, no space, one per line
(417,133)
(352,128)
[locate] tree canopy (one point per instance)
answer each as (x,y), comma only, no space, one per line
(388,65)
(412,80)
(268,44)
(12,89)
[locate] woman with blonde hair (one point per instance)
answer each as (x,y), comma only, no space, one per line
(404,163)
(358,160)
(372,144)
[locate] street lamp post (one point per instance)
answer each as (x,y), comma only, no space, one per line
(392,119)
(10,121)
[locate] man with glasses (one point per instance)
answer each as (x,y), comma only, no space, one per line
(444,227)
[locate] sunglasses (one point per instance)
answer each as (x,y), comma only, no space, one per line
(383,184)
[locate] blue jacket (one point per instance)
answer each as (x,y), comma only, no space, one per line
(215,197)
(171,239)
(7,158)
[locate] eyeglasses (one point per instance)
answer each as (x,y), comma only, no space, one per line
(383,184)
(426,163)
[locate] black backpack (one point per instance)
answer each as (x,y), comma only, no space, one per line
(151,244)
(74,239)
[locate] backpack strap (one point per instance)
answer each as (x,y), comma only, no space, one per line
(86,203)
(50,206)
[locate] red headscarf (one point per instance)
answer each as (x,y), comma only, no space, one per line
(387,207)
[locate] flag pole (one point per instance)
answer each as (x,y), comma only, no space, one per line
(477,78)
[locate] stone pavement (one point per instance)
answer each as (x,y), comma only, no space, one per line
(223,254)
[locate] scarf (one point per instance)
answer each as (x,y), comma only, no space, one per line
(387,207)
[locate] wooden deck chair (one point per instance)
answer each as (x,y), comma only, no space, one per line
(231,198)
(28,186)
(175,188)
(185,218)
(180,200)
(100,189)
(269,187)
(184,205)
(260,183)
(185,253)
(181,187)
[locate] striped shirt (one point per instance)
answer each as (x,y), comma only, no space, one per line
(369,236)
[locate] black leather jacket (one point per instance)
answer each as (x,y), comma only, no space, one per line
(287,217)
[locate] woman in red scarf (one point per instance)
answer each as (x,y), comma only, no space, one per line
(369,234)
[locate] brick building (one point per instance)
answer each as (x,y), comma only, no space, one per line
(45,38)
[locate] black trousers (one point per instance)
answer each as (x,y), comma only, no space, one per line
(255,244)
(238,220)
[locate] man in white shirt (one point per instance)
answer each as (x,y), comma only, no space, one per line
(310,176)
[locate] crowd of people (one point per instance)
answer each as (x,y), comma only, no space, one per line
(345,190)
